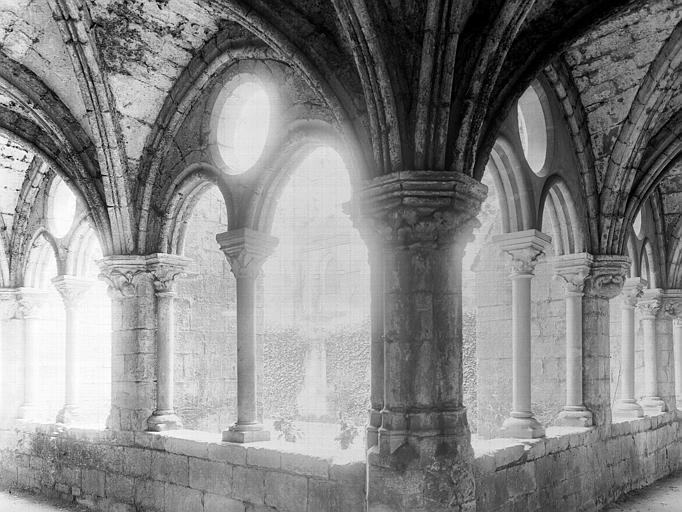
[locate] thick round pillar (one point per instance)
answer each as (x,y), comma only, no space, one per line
(572,270)
(246,251)
(626,406)
(525,248)
(164,270)
(423,458)
(649,307)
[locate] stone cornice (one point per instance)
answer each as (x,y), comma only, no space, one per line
(525,248)
(425,208)
(246,250)
(572,270)
(608,276)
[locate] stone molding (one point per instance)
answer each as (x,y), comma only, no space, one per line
(422,208)
(165,269)
(246,250)
(633,290)
(608,276)
(72,289)
(525,248)
(572,270)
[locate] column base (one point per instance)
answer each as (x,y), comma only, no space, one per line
(627,408)
(68,414)
(161,421)
(251,433)
(574,416)
(652,405)
(27,412)
(525,427)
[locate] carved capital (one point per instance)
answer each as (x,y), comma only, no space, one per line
(650,304)
(30,303)
(672,303)
(71,289)
(164,269)
(608,276)
(525,248)
(8,303)
(572,270)
(121,274)
(422,208)
(246,250)
(632,291)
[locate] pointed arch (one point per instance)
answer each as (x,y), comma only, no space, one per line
(556,199)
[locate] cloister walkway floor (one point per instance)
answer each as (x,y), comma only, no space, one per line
(23,502)
(662,496)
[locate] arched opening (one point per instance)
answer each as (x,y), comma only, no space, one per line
(206,319)
(316,308)
(532,128)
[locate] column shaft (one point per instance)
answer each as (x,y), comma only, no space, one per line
(247,414)
(28,409)
(521,342)
(649,308)
(677,350)
(626,406)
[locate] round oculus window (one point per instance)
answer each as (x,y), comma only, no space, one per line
(532,128)
(243,126)
(62,208)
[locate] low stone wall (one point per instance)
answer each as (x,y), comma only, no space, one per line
(576,469)
(571,469)
(186,472)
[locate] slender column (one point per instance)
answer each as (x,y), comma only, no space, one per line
(649,307)
(572,270)
(626,406)
(525,248)
(246,251)
(422,461)
(29,308)
(8,303)
(71,290)
(133,341)
(165,269)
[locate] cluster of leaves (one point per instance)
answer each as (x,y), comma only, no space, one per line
(348,369)
(287,429)
(348,432)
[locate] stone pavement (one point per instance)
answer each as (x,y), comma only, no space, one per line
(662,496)
(23,502)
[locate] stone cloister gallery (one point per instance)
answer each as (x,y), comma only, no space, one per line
(340,255)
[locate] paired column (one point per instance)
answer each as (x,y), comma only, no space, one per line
(525,248)
(165,269)
(572,270)
(246,251)
(626,406)
(72,291)
(421,221)
(29,303)
(649,307)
